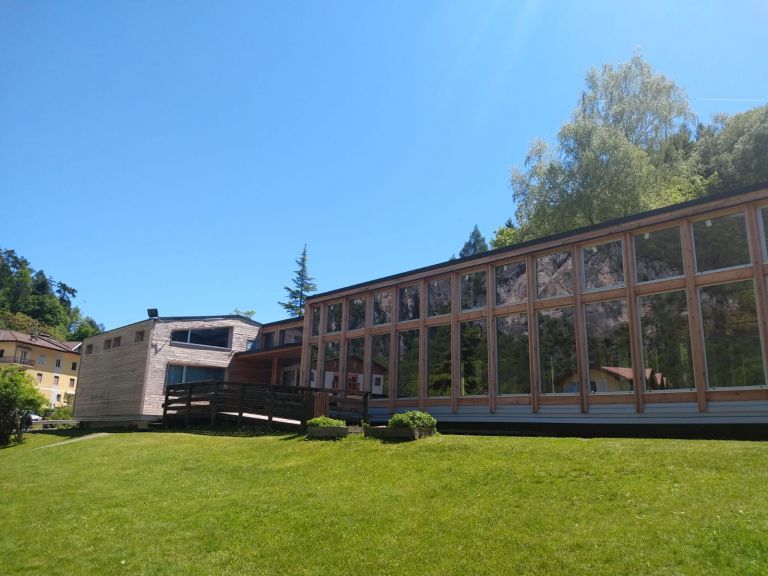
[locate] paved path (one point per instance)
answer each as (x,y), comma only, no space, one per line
(86,437)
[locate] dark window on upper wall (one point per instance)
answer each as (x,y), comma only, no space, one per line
(512,356)
(721,242)
(667,356)
(439,360)
(473,290)
(439,297)
(313,353)
(315,320)
(356,313)
(176,374)
(511,283)
(333,317)
(658,255)
(382,308)
(380,366)
(608,346)
(214,337)
(731,335)
(291,335)
(603,266)
(554,275)
(557,351)
(473,360)
(332,364)
(408,364)
(764,213)
(355,364)
(268,340)
(409,303)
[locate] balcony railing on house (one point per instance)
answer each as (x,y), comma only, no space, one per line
(20,361)
(212,401)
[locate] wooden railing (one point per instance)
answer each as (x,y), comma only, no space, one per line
(213,400)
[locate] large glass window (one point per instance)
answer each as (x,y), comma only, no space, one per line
(473,363)
(356,313)
(667,358)
(731,335)
(764,213)
(331,365)
(512,356)
(408,364)
(603,266)
(315,320)
(439,360)
(313,352)
(558,372)
(382,308)
(658,255)
(439,297)
(291,335)
(608,346)
(721,242)
(380,366)
(511,283)
(554,275)
(216,337)
(333,317)
(355,364)
(473,290)
(409,303)
(177,374)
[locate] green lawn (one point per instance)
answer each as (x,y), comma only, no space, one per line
(177,503)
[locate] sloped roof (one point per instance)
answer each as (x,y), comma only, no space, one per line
(41,340)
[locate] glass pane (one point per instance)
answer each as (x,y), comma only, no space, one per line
(315,320)
(658,255)
(357,313)
(175,374)
(764,213)
(201,373)
(512,357)
(511,283)
(557,351)
(380,366)
(439,297)
(313,352)
(554,275)
(291,335)
(218,337)
(355,364)
(608,347)
(332,354)
(721,242)
(474,358)
(603,266)
(408,364)
(409,303)
(668,362)
(382,308)
(731,335)
(177,336)
(439,360)
(473,290)
(333,317)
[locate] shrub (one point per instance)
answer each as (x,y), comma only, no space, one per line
(412,419)
(325,421)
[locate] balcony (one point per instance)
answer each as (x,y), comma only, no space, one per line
(22,362)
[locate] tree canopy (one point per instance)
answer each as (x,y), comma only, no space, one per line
(631,145)
(303,286)
(18,396)
(475,245)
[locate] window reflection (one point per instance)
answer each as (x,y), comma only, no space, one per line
(439,360)
(313,351)
(333,317)
(721,242)
(409,303)
(603,266)
(331,365)
(554,275)
(666,338)
(382,308)
(658,255)
(513,361)
(473,290)
(380,366)
(315,320)
(764,213)
(439,297)
(356,313)
(408,364)
(731,335)
(355,364)
(608,346)
(511,283)
(557,351)
(474,358)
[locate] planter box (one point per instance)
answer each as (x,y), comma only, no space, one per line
(327,432)
(385,433)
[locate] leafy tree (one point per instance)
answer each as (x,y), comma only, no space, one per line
(18,396)
(303,285)
(244,313)
(475,245)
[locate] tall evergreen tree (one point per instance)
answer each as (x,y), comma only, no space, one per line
(475,245)
(303,285)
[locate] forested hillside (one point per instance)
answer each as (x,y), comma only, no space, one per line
(33,302)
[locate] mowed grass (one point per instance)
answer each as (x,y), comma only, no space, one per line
(178,503)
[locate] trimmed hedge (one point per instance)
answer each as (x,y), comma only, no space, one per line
(324,421)
(412,419)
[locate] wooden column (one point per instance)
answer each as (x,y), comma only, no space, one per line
(635,334)
(422,343)
(582,362)
(490,301)
(694,316)
(533,332)
(455,341)
(761,292)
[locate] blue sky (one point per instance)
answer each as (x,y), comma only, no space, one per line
(179,155)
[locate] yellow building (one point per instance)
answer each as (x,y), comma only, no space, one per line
(53,364)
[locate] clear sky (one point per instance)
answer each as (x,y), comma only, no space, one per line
(179,154)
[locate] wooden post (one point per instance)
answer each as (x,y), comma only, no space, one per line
(213,403)
(270,406)
(240,408)
(165,409)
(189,405)
(365,407)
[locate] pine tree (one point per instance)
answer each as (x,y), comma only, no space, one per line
(303,285)
(475,245)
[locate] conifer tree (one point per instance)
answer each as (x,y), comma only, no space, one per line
(303,285)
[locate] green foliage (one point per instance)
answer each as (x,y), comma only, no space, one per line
(324,421)
(18,396)
(475,245)
(62,413)
(303,286)
(412,419)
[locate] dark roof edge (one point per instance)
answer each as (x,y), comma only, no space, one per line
(180,318)
(284,321)
(607,224)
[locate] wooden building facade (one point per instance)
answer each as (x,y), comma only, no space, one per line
(656,318)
